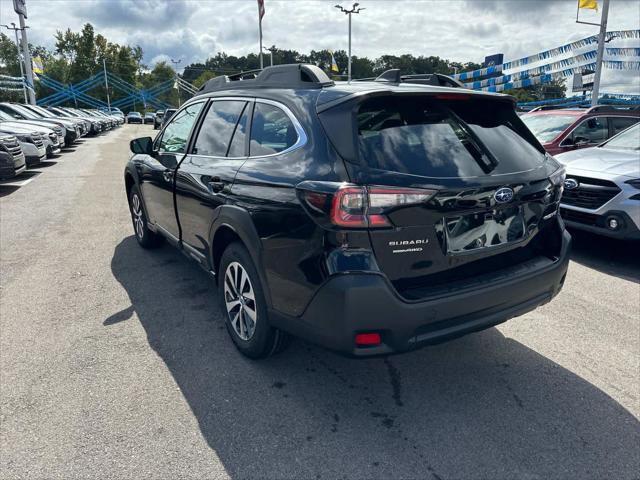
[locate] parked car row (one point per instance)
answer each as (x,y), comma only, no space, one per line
(157,118)
(30,133)
(600,148)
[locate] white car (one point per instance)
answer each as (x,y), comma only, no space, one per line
(602,187)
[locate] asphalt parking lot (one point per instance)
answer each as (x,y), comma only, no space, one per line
(115,364)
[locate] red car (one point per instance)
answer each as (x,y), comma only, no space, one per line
(564,130)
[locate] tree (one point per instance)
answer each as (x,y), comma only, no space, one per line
(203,78)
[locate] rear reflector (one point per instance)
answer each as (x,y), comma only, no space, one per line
(368,339)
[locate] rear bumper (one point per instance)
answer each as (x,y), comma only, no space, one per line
(348,304)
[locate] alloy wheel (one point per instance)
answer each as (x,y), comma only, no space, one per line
(240,301)
(136,210)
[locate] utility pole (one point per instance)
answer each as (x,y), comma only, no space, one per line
(354,9)
(602,37)
(175,65)
(601,40)
(106,82)
(261,12)
(15,30)
(27,58)
(270,53)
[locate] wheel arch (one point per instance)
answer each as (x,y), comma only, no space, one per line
(234,224)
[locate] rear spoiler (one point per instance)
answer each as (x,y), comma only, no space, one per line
(377,90)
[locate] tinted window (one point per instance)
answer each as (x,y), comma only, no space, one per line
(175,136)
(622,123)
(594,130)
(462,139)
(271,131)
(218,127)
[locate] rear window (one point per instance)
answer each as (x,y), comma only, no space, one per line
(427,137)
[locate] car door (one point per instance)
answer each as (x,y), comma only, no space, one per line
(205,176)
(157,170)
(589,133)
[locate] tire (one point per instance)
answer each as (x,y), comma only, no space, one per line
(247,319)
(145,237)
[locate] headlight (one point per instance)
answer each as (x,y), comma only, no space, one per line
(635,183)
(24,138)
(557,177)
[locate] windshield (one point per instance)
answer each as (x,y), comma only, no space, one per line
(43,111)
(627,140)
(26,112)
(444,140)
(546,128)
(5,116)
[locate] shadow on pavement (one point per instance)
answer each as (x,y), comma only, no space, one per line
(483,406)
(607,255)
(7,190)
(45,164)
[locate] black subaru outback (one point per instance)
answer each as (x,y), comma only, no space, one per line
(370,218)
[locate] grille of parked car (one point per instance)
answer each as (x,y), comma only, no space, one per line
(579,217)
(12,146)
(591,193)
(37,140)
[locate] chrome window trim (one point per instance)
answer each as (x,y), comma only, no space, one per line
(300,142)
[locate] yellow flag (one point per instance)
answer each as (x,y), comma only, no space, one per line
(37,65)
(334,65)
(591,4)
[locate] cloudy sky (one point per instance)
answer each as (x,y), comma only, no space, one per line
(458,30)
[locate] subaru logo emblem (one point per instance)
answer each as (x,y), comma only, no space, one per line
(503,195)
(571,183)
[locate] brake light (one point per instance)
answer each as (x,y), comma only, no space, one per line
(349,207)
(362,207)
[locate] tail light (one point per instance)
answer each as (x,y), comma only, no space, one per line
(364,207)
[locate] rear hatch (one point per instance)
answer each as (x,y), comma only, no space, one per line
(456,186)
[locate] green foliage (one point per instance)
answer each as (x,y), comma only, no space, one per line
(554,89)
(203,78)
(8,57)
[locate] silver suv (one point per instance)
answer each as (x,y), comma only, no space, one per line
(602,186)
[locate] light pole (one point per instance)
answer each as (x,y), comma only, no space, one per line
(15,30)
(175,66)
(602,39)
(354,9)
(270,53)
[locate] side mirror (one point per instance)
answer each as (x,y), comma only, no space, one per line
(142,145)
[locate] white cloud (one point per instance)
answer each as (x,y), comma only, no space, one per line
(458,30)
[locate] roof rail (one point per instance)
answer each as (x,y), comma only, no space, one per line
(293,76)
(611,108)
(435,79)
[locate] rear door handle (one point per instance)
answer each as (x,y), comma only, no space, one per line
(168,175)
(216,184)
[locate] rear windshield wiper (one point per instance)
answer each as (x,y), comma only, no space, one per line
(483,156)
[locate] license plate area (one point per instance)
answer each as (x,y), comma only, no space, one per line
(491,228)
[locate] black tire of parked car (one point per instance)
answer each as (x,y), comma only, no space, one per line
(266,340)
(145,237)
